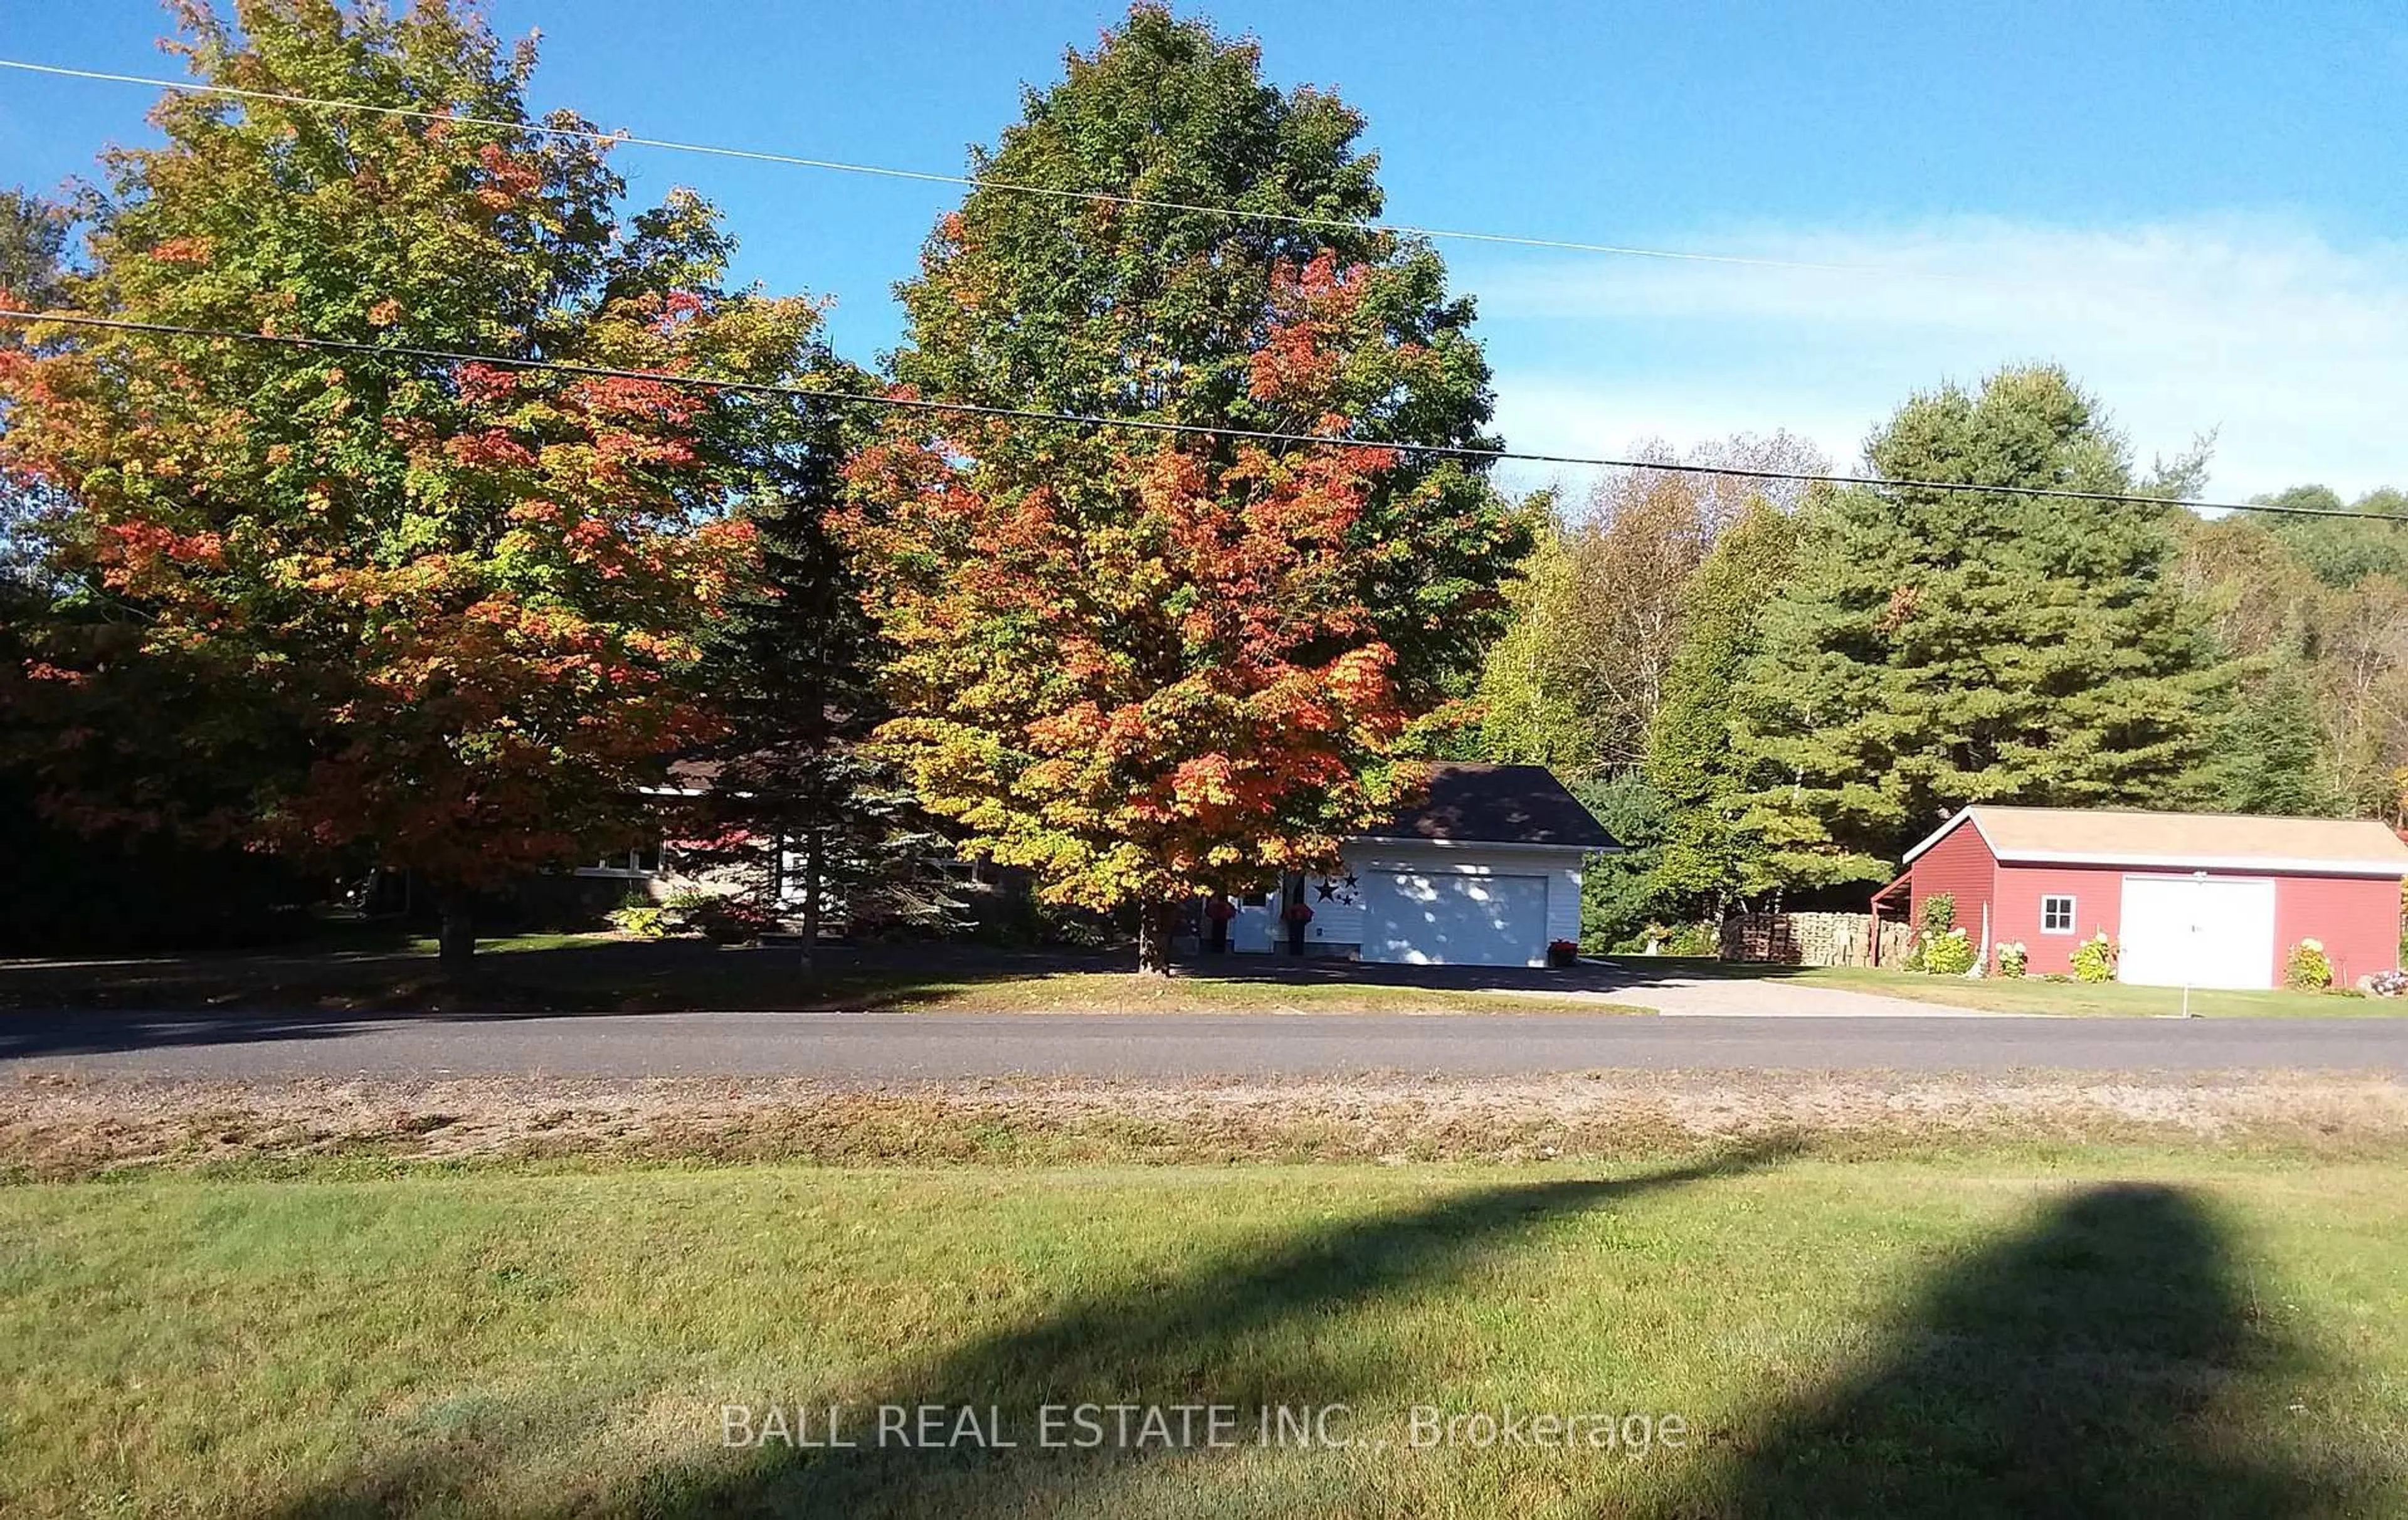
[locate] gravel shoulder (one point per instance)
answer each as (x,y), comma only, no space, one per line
(57,1125)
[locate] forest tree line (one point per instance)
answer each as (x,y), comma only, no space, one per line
(1772,695)
(277,607)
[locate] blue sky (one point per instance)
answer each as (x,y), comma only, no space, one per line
(2201,209)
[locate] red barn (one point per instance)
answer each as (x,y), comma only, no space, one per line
(2207,900)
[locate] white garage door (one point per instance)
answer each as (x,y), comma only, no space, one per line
(1440,918)
(2218,932)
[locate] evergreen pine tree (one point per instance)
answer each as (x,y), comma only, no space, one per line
(1939,648)
(2271,759)
(800,807)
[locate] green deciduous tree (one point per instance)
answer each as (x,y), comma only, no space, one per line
(1575,680)
(1144,666)
(1706,859)
(1939,648)
(2342,553)
(34,236)
(2320,634)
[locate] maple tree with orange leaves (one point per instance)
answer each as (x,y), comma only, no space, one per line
(441,616)
(1151,668)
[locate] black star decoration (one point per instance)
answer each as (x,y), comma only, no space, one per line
(1329,890)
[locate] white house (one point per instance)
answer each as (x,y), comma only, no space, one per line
(1486,871)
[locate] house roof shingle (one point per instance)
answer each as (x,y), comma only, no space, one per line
(2183,840)
(1477,804)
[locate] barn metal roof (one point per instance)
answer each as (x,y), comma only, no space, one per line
(2180,841)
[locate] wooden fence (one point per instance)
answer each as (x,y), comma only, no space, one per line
(1812,938)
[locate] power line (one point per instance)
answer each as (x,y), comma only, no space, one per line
(1145,424)
(931,177)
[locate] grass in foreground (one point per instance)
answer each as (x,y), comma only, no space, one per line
(601,973)
(2009,1332)
(2033,994)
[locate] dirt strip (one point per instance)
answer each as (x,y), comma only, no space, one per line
(58,1125)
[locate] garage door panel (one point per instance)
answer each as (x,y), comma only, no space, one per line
(2180,930)
(1438,918)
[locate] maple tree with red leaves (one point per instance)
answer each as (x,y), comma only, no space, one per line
(1149,668)
(442,616)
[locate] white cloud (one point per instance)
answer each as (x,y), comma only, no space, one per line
(2292,350)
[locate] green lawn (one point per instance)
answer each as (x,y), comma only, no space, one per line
(2032,995)
(603,973)
(1999,1332)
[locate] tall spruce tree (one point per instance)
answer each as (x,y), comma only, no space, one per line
(1706,859)
(800,808)
(2270,760)
(1937,647)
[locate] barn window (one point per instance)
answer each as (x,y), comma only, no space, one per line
(2057,915)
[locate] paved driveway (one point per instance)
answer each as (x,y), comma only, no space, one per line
(1742,995)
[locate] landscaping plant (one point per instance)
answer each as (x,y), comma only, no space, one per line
(2309,969)
(2093,959)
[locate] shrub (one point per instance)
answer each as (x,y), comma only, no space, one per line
(1947,955)
(1689,939)
(2014,958)
(1939,913)
(733,920)
(718,917)
(2309,970)
(2095,959)
(1938,918)
(2389,983)
(645,921)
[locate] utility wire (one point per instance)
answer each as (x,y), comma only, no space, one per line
(1145,424)
(929,177)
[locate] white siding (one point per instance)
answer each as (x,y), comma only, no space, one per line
(1334,921)
(1560,866)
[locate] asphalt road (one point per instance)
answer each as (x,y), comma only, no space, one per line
(876,1048)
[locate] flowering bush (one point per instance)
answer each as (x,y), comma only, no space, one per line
(2309,970)
(2095,959)
(2014,958)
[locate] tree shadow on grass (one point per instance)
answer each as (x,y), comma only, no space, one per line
(1242,1328)
(2104,1360)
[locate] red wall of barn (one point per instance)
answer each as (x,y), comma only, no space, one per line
(2357,919)
(2098,894)
(1960,866)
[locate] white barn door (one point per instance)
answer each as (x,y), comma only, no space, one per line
(2182,930)
(1448,918)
